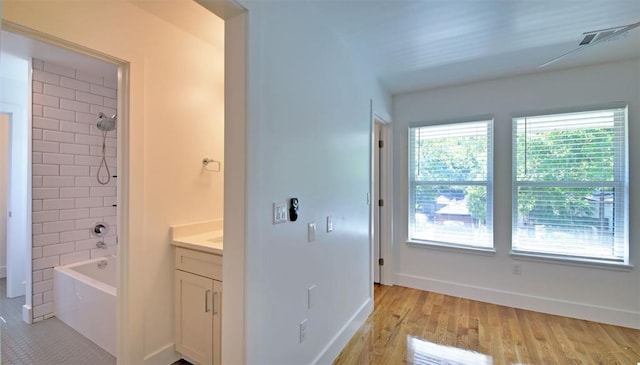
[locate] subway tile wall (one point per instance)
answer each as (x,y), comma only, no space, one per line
(67,151)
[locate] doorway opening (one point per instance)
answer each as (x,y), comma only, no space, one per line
(382,201)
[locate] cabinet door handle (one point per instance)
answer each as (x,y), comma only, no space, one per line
(206,300)
(215,295)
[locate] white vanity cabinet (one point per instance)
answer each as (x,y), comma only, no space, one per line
(198,304)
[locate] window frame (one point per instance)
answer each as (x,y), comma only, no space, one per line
(489,184)
(621,182)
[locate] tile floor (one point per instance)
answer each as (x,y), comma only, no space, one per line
(48,342)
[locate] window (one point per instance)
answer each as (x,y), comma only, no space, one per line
(569,186)
(450,187)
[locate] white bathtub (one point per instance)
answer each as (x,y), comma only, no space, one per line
(85,299)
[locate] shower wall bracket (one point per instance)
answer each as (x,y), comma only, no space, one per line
(216,164)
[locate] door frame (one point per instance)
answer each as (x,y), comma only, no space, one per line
(386,193)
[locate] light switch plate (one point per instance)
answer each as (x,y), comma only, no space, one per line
(279,212)
(329,224)
(311,234)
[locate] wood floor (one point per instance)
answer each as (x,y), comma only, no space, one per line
(410,326)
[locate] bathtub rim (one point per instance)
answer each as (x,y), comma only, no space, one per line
(68,271)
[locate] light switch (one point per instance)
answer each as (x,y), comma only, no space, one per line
(279,212)
(311,234)
(329,224)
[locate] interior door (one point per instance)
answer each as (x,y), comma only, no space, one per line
(378,202)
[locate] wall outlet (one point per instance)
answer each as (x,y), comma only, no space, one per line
(517,269)
(303,330)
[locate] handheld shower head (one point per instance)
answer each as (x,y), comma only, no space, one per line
(106,123)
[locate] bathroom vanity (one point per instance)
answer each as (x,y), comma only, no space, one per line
(198,292)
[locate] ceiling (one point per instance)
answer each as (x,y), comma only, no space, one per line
(411,44)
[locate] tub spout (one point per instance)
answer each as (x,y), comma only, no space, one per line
(101,244)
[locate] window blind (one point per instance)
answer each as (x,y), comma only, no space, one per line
(569,193)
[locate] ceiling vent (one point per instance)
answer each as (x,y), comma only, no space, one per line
(596,36)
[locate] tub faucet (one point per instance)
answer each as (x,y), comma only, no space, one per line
(101,244)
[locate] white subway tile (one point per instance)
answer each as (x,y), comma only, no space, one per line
(45,170)
(46,239)
(36,110)
(73,257)
(36,134)
(111,81)
(36,276)
(89,98)
(36,205)
(74,127)
(87,181)
(45,123)
(88,244)
(59,181)
(87,118)
(37,299)
(85,223)
(58,69)
(51,204)
(112,221)
(60,114)
(48,296)
(36,181)
(43,146)
(47,274)
(45,216)
(42,286)
(36,157)
(36,253)
(88,202)
(37,64)
(59,226)
(88,160)
(84,76)
(37,87)
(46,262)
(72,83)
(57,158)
(36,228)
(88,140)
(101,252)
(74,192)
(72,170)
(46,100)
(80,234)
(111,142)
(61,92)
(45,193)
(74,149)
(103,191)
(59,249)
(55,136)
(103,91)
(102,211)
(95,109)
(74,213)
(110,103)
(49,78)
(110,201)
(43,310)
(74,105)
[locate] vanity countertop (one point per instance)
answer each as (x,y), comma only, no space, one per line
(204,236)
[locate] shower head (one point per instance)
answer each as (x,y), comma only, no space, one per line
(105,123)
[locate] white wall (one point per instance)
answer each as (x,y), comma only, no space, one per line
(67,199)
(175,119)
(15,100)
(583,292)
(4,190)
(308,136)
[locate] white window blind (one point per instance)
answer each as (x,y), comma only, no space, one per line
(450,184)
(569,193)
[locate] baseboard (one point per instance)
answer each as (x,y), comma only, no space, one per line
(517,300)
(3,272)
(165,355)
(340,340)
(26,314)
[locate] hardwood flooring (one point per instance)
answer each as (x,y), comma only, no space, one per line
(410,326)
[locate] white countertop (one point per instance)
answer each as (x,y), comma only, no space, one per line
(200,236)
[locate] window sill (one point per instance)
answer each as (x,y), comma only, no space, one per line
(560,260)
(453,248)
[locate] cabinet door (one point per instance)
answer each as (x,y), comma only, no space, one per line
(217,322)
(194,317)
